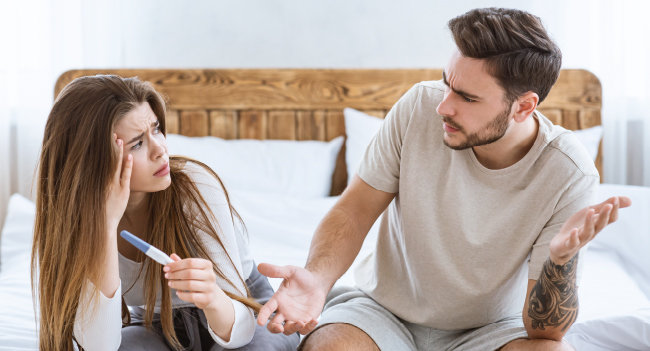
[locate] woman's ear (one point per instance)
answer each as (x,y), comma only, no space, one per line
(525,105)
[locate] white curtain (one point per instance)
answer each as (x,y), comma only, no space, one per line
(610,39)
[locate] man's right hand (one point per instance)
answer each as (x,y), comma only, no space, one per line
(297,303)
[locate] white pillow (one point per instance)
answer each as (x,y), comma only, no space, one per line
(360,128)
(297,168)
(590,138)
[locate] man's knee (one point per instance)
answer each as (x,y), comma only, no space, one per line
(338,336)
(537,344)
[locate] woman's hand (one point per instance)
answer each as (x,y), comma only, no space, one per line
(119,188)
(195,281)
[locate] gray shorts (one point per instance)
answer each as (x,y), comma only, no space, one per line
(352,306)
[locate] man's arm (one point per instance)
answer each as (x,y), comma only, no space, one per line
(552,301)
(338,238)
(551,304)
(336,243)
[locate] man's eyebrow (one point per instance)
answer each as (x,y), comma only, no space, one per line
(153,124)
(457,91)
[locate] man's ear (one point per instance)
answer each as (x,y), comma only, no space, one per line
(525,105)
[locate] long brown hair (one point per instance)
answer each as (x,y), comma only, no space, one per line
(77,161)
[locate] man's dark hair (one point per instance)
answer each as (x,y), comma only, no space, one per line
(515,46)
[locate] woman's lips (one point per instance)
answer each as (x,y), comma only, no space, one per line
(448,128)
(163,171)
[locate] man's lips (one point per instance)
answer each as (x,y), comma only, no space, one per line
(162,171)
(449,129)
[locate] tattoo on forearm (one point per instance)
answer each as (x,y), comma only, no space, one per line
(553,302)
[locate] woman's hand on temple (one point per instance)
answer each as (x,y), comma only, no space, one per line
(119,188)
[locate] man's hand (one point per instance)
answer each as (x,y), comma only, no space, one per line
(297,303)
(583,226)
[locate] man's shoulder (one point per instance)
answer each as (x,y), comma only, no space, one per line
(567,151)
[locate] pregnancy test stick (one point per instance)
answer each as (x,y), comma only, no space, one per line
(148,249)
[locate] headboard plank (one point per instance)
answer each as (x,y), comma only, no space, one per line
(307,104)
(223,124)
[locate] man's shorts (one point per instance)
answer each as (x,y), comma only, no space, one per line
(352,306)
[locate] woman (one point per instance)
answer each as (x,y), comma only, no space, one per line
(104,168)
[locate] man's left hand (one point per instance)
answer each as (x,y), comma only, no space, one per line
(583,226)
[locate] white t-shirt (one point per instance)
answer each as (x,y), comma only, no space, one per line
(459,241)
(101,328)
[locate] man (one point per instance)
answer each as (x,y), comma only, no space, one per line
(483,195)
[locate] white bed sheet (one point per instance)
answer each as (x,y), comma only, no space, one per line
(615,311)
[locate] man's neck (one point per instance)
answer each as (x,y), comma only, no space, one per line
(511,148)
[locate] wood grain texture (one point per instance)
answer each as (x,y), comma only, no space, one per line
(223,124)
(307,104)
(172,122)
(194,123)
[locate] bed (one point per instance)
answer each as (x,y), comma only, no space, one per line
(275,136)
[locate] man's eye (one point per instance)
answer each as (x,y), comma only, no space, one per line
(137,145)
(468,99)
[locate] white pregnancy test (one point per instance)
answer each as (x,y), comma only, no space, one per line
(148,249)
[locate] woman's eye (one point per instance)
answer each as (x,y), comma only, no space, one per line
(137,145)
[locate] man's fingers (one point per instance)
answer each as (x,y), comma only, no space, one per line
(266,311)
(573,241)
(273,271)
(308,327)
(292,327)
(603,218)
(276,325)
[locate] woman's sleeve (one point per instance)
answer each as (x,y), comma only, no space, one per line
(98,323)
(214,195)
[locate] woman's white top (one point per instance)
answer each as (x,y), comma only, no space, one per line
(99,328)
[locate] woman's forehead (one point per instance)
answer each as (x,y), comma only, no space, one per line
(138,119)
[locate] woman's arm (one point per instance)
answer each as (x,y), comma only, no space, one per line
(232,324)
(98,321)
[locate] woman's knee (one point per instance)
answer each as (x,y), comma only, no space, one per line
(139,338)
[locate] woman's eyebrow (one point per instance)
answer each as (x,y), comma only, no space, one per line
(153,124)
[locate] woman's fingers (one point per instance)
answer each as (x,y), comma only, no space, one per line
(118,171)
(126,172)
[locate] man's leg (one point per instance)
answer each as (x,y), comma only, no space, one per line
(339,336)
(352,320)
(537,345)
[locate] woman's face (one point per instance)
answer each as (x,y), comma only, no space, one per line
(140,132)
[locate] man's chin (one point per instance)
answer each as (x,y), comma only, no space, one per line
(454,146)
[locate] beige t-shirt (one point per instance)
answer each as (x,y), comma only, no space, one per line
(456,243)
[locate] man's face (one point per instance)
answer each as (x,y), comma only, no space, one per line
(474,111)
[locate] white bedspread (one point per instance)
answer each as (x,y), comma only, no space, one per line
(614,292)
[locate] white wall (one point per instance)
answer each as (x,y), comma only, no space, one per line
(284,33)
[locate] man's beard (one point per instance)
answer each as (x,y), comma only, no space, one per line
(494,131)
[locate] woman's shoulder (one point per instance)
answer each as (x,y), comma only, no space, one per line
(205,179)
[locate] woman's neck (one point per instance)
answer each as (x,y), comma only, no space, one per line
(135,215)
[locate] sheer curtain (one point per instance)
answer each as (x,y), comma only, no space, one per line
(40,39)
(610,38)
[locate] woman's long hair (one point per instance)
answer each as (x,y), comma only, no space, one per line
(78,160)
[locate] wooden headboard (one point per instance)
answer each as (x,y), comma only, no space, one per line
(307,104)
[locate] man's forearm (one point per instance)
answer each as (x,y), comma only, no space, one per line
(335,245)
(553,301)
